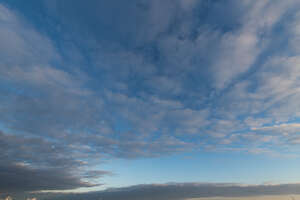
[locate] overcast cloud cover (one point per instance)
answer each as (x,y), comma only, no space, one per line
(82,82)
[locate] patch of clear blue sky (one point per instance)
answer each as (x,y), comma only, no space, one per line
(202,167)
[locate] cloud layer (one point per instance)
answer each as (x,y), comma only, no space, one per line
(84,82)
(182,191)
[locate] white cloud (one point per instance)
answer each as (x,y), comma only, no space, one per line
(241,48)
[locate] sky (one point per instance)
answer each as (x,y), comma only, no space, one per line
(138,94)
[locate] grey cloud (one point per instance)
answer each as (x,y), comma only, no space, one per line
(129,145)
(19,148)
(18,178)
(94,174)
(16,34)
(31,70)
(184,191)
(32,164)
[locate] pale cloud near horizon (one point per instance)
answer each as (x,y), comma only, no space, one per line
(279,197)
(187,191)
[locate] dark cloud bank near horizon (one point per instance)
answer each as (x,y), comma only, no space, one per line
(177,191)
(56,170)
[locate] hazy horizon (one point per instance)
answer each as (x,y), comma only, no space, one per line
(279,197)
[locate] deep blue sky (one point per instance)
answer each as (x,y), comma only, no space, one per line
(123,93)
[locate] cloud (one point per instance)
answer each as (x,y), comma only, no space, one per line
(18,178)
(145,79)
(16,35)
(174,78)
(180,191)
(31,164)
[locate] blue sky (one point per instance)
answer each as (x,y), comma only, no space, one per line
(127,93)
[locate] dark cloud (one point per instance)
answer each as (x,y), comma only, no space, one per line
(31,164)
(20,178)
(183,191)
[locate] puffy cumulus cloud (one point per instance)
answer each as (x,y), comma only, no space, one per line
(182,191)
